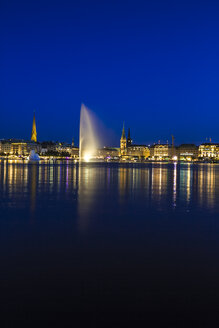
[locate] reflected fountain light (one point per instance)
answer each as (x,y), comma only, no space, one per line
(89,182)
(181,186)
(33,190)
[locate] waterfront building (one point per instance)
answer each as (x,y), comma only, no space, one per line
(138,151)
(130,151)
(187,152)
(17,147)
(108,153)
(66,148)
(209,151)
(50,148)
(63,147)
(161,152)
(75,152)
(34,132)
(5,147)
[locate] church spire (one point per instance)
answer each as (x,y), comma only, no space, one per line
(129,135)
(129,140)
(123,132)
(34,132)
(123,142)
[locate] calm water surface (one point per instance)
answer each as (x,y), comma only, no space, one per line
(109,244)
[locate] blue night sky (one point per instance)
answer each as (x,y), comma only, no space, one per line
(152,64)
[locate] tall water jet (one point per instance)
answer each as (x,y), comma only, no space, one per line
(88,139)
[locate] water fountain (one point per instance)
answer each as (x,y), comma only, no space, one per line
(34,157)
(88,139)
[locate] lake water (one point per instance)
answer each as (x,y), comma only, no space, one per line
(109,244)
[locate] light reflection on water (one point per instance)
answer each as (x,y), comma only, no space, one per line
(146,232)
(159,185)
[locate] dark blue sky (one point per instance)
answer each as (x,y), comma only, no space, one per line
(153,64)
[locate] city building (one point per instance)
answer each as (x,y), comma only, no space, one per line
(187,152)
(209,151)
(22,148)
(75,152)
(130,151)
(50,148)
(161,152)
(138,151)
(108,153)
(17,147)
(63,147)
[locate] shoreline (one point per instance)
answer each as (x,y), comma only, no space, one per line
(99,161)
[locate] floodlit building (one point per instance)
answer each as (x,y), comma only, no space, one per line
(160,151)
(17,147)
(209,151)
(5,147)
(130,151)
(75,152)
(140,151)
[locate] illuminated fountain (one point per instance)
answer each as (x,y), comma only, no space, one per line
(88,139)
(33,157)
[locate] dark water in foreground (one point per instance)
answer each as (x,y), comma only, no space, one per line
(109,244)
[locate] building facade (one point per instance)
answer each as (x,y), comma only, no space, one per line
(130,151)
(138,151)
(17,147)
(209,151)
(187,152)
(108,153)
(161,152)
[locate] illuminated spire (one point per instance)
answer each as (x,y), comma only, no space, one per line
(123,132)
(34,132)
(123,142)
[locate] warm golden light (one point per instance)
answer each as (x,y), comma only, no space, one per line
(87,157)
